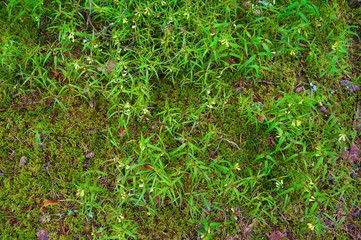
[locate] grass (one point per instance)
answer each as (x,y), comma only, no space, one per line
(179,119)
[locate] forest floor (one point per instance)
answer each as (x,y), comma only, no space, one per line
(180,119)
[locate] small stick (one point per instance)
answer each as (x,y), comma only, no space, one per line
(111,24)
(13,108)
(224,139)
(90,11)
(184,32)
(125,47)
(267,82)
(91,22)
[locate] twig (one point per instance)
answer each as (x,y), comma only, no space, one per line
(224,139)
(13,108)
(172,26)
(21,107)
(267,82)
(283,217)
(89,21)
(75,124)
(88,15)
(111,24)
(125,47)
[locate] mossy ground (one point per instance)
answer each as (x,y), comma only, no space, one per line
(197,148)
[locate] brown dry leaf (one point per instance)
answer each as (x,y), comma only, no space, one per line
(257,11)
(354,154)
(49,103)
(88,93)
(42,234)
(323,109)
(42,136)
(156,200)
(232,61)
(148,167)
(238,89)
(270,141)
(107,68)
(41,146)
(90,155)
(22,161)
(247,4)
(45,218)
(91,103)
(290,235)
(357,213)
(122,133)
(345,153)
(357,121)
(276,235)
(145,167)
(220,216)
(248,229)
(352,88)
(206,210)
(47,202)
(260,118)
(299,89)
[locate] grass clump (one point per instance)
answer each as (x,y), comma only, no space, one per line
(180,120)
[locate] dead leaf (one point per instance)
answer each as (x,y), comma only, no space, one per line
(260,118)
(357,121)
(22,161)
(299,89)
(88,93)
(276,235)
(238,89)
(247,4)
(90,155)
(42,234)
(248,229)
(45,218)
(47,202)
(41,146)
(257,11)
(206,210)
(86,162)
(153,127)
(270,141)
(345,154)
(352,88)
(357,213)
(49,103)
(156,200)
(350,226)
(220,216)
(323,109)
(354,154)
(91,103)
(42,136)
(290,235)
(122,133)
(147,167)
(107,68)
(103,180)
